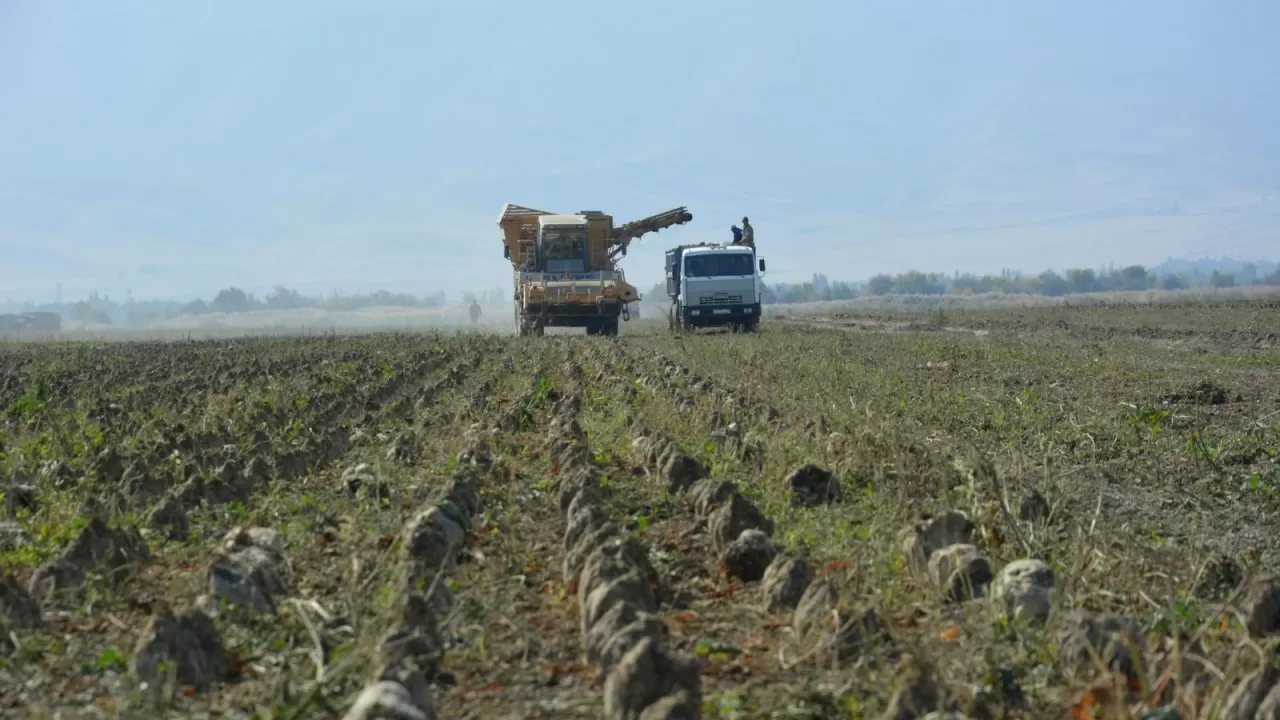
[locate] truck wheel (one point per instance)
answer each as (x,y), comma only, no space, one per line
(609,327)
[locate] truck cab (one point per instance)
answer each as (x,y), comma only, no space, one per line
(714,285)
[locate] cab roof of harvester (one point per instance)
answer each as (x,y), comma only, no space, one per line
(545,220)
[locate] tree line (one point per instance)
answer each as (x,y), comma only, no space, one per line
(1172,275)
(103,309)
(1048,283)
(236,300)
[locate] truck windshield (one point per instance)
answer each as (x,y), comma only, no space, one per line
(717,265)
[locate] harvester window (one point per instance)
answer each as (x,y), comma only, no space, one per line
(564,249)
(717,265)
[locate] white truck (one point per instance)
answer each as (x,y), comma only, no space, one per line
(712,284)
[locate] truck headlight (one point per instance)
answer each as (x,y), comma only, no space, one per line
(746,311)
(695,312)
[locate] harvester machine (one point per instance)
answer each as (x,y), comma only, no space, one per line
(565,266)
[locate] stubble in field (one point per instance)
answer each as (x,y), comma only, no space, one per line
(861,519)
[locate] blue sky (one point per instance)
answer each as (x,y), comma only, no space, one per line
(177,148)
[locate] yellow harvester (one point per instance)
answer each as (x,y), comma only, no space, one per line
(566,272)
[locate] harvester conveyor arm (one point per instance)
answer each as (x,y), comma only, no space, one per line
(624,234)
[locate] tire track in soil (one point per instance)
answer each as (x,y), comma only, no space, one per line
(533,669)
(606,632)
(404,643)
(618,590)
(412,649)
(546,671)
(722,538)
(761,616)
(487,577)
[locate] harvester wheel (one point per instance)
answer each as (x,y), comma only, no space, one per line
(526,326)
(608,326)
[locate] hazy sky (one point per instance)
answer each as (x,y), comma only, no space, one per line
(174,148)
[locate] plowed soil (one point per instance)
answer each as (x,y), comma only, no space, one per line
(853,517)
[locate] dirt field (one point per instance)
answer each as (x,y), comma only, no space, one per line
(1015,513)
(1235,325)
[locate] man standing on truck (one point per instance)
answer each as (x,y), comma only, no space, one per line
(748,233)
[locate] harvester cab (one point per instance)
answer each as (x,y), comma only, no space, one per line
(562,245)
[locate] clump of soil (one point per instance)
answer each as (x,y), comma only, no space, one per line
(1204,392)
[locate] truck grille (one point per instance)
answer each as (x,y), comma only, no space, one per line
(720,299)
